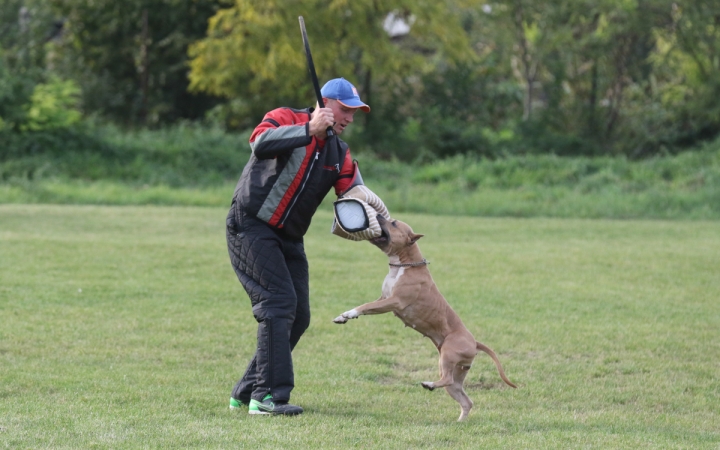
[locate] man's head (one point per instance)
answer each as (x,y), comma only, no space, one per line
(345,93)
(342,97)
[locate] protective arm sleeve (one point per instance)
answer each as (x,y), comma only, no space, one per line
(373,206)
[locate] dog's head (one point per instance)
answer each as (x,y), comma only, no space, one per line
(395,237)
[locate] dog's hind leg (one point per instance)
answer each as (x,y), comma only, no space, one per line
(457,391)
(447,366)
(457,349)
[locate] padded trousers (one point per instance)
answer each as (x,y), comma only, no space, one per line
(273,269)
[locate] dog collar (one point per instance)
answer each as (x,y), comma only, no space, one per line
(424,262)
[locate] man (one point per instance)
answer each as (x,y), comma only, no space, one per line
(293,166)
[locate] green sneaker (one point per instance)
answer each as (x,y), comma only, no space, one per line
(253,407)
(236,404)
(267,406)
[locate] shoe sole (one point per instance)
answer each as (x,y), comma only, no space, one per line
(258,408)
(283,413)
(271,413)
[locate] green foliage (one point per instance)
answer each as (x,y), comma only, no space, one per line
(22,54)
(13,96)
(580,78)
(9,108)
(690,170)
(568,78)
(130,56)
(182,155)
(686,186)
(191,165)
(254,52)
(53,105)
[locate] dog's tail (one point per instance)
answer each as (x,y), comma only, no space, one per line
(494,357)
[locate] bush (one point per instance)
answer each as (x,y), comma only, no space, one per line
(183,155)
(185,164)
(53,105)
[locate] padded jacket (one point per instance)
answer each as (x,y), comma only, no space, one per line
(290,172)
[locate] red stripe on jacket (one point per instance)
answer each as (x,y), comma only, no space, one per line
(290,192)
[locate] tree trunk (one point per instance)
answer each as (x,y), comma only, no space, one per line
(144,75)
(529,72)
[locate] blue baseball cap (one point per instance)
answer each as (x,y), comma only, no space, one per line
(343,91)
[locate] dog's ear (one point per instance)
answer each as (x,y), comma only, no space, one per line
(414,237)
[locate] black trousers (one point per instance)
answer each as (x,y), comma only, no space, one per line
(273,269)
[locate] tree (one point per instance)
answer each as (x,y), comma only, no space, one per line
(130,56)
(253,52)
(586,71)
(684,84)
(20,58)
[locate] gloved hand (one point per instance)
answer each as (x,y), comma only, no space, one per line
(356,214)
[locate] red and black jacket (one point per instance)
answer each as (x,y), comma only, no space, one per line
(290,172)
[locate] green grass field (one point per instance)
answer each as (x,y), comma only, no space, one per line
(124,327)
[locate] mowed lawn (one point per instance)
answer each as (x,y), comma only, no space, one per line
(125,327)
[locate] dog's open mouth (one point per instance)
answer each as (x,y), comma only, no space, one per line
(380,240)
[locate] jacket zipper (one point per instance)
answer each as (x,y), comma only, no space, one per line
(302,187)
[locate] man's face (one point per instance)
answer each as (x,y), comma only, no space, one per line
(343,115)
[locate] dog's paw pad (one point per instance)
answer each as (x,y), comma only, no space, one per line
(428,385)
(340,319)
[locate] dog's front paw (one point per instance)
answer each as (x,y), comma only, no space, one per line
(352,314)
(340,319)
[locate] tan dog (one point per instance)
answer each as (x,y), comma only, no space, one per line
(411,294)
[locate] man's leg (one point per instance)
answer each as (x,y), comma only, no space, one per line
(256,253)
(244,387)
(274,361)
(298,267)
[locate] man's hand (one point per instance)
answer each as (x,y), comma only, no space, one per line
(320,120)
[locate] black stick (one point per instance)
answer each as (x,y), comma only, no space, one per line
(311,69)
